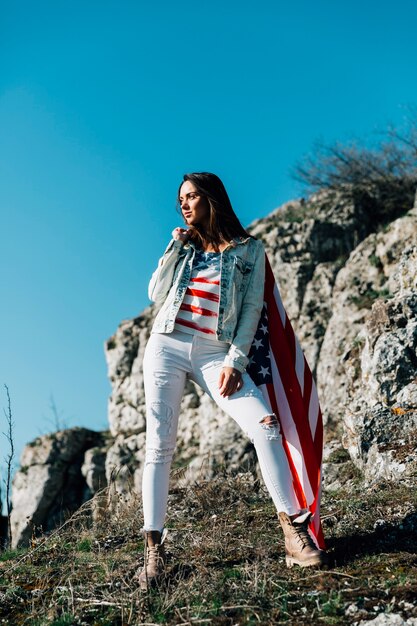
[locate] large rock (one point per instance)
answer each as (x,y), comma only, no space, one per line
(381,416)
(49,483)
(124,356)
(367,277)
(331,266)
(346,270)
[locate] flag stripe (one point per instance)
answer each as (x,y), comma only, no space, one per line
(197,309)
(289,430)
(292,395)
(281,310)
(199,293)
(299,365)
(269,392)
(313,413)
(201,279)
(294,400)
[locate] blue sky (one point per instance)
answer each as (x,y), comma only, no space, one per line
(103,107)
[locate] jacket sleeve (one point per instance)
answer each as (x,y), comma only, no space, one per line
(250,315)
(162,277)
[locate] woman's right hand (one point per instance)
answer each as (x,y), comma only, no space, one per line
(180,233)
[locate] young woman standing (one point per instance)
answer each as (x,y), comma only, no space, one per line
(210,283)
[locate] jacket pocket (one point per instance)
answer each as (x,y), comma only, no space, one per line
(242,272)
(244,267)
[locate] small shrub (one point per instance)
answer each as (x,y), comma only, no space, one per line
(366,299)
(84,545)
(375,261)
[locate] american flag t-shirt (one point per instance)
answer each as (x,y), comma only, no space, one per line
(279,368)
(198,313)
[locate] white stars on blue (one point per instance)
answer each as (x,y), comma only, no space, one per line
(259,366)
(206,260)
(264,371)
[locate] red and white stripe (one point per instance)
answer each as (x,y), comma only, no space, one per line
(293,397)
(198,312)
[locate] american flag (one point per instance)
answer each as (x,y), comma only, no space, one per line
(279,368)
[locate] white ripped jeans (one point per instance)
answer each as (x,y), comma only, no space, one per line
(169,359)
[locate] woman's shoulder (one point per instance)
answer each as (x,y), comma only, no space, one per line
(250,248)
(249,239)
(256,243)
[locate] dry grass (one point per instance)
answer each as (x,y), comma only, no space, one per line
(226,563)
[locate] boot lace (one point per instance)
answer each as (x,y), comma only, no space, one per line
(303,536)
(153,556)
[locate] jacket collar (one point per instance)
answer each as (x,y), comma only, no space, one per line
(238,240)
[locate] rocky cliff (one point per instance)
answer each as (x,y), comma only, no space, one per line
(347,272)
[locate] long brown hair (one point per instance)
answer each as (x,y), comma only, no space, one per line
(224,224)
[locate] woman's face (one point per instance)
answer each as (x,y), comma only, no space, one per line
(195,208)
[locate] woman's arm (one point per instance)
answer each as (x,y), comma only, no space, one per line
(161,280)
(250,314)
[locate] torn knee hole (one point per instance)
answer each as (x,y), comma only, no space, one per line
(272,426)
(271,421)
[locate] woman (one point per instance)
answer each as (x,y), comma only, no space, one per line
(210,284)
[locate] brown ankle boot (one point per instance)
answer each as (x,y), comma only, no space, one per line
(155,558)
(300,548)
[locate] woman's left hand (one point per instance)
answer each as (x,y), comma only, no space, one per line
(230,381)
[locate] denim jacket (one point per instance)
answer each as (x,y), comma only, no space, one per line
(242,275)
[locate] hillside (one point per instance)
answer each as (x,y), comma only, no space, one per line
(226,561)
(347,270)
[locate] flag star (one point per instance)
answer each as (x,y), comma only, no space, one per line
(264,329)
(257,343)
(251,360)
(264,371)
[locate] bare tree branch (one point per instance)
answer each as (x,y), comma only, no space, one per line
(386,172)
(9,462)
(57,421)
